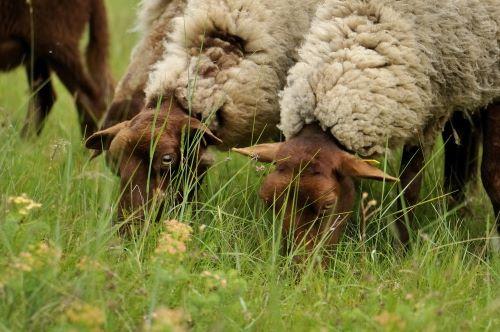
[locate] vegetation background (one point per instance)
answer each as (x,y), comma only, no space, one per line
(63,266)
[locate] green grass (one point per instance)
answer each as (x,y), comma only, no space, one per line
(64,266)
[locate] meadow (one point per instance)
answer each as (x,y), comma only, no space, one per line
(218,266)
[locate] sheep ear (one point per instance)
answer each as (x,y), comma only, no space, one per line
(208,135)
(101,140)
(359,168)
(262,152)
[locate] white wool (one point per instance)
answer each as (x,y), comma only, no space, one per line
(382,73)
(154,23)
(226,61)
(149,12)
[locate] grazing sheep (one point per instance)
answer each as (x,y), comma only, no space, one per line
(380,74)
(223,63)
(44,36)
(154,24)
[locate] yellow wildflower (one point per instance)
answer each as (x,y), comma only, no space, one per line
(23,203)
(168,245)
(165,319)
(87,264)
(84,314)
(387,320)
(214,280)
(35,258)
(25,262)
(45,251)
(206,274)
(173,240)
(178,230)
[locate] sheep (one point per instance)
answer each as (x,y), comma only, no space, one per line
(218,78)
(373,76)
(154,24)
(44,36)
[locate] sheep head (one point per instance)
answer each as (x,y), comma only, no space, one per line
(313,183)
(149,151)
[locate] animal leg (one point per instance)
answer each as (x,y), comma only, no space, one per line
(43,97)
(490,167)
(89,101)
(461,138)
(12,54)
(412,162)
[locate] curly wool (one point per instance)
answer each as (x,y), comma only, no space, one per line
(382,73)
(153,23)
(150,11)
(226,61)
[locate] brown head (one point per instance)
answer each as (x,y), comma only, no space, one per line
(149,150)
(313,182)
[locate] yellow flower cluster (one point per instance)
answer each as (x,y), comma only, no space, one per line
(88,264)
(165,319)
(44,249)
(173,240)
(214,280)
(25,262)
(85,315)
(390,321)
(35,258)
(178,229)
(23,203)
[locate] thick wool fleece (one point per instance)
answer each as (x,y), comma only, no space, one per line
(380,73)
(226,61)
(154,23)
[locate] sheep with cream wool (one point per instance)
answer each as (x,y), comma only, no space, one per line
(154,24)
(217,74)
(225,62)
(384,73)
(372,76)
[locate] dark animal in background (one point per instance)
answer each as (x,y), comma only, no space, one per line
(44,36)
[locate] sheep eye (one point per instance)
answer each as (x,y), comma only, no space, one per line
(167,160)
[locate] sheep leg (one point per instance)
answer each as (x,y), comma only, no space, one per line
(490,168)
(68,65)
(412,162)
(461,137)
(43,97)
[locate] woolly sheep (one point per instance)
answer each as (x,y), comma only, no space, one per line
(223,63)
(391,72)
(380,74)
(248,46)
(154,24)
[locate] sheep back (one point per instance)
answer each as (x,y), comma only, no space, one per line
(380,74)
(154,22)
(226,61)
